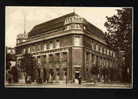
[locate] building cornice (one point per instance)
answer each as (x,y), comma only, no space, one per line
(51,36)
(59,34)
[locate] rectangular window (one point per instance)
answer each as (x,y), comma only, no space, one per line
(104,50)
(39,47)
(24,50)
(38,60)
(57,44)
(101,50)
(42,47)
(33,49)
(51,45)
(77,41)
(28,49)
(45,47)
(57,57)
(110,53)
(51,58)
(97,47)
(113,54)
(107,52)
(64,56)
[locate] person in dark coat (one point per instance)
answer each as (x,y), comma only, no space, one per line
(44,75)
(39,80)
(79,78)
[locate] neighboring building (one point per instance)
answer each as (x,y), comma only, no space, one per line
(67,45)
(10,50)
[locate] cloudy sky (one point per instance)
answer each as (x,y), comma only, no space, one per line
(36,15)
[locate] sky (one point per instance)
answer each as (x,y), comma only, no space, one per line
(15,16)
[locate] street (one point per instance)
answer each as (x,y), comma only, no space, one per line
(69,85)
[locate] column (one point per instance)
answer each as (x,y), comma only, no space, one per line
(61,69)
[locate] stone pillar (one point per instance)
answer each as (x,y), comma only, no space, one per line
(67,65)
(77,60)
(61,69)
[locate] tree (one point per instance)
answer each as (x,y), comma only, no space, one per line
(28,65)
(9,58)
(119,34)
(94,71)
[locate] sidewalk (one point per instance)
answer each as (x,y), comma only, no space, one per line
(63,84)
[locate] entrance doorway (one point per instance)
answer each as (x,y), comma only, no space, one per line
(77,74)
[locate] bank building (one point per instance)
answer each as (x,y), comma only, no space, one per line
(68,45)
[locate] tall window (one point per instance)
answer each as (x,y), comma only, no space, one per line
(57,44)
(77,41)
(45,47)
(110,52)
(101,49)
(57,57)
(51,58)
(64,56)
(95,59)
(92,58)
(97,47)
(51,45)
(87,57)
(38,60)
(24,50)
(104,50)
(39,47)
(113,54)
(42,47)
(33,49)
(43,59)
(28,49)
(93,46)
(107,51)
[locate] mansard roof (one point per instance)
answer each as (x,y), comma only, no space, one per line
(49,25)
(59,22)
(93,29)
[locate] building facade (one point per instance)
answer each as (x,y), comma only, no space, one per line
(68,46)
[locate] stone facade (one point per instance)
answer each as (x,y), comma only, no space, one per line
(67,45)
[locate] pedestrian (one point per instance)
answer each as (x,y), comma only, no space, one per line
(9,76)
(79,78)
(44,75)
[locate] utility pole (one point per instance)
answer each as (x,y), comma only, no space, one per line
(24,22)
